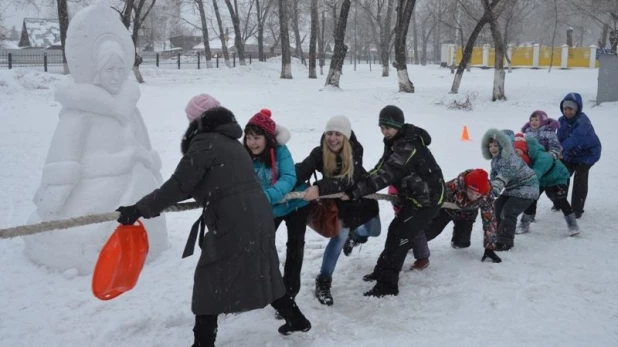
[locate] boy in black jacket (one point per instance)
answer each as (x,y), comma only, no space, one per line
(407,164)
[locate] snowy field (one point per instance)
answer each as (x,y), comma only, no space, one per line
(549,290)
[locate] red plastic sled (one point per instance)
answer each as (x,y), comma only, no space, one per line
(120,262)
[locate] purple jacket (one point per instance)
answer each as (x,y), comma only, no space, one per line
(546,135)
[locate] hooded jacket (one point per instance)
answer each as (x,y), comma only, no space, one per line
(549,170)
(285,181)
(545,135)
(580,143)
(408,165)
(508,171)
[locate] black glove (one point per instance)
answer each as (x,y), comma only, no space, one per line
(128,214)
(491,255)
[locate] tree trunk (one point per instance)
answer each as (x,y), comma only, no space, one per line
(499,73)
(63,18)
(299,47)
(404,14)
(467,54)
(385,43)
(603,39)
(313,38)
(261,18)
(240,46)
(321,46)
(226,55)
(286,59)
(415,28)
(340,50)
(207,52)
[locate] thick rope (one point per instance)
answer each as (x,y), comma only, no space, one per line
(31,229)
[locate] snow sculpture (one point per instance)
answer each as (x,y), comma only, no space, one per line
(100,156)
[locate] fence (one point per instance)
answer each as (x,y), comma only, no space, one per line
(535,57)
(51,60)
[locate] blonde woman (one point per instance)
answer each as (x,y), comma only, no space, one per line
(339,159)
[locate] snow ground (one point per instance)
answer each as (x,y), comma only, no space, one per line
(549,291)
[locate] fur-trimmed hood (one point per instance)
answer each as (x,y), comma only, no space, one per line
(505,144)
(282,134)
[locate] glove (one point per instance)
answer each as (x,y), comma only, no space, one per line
(495,192)
(128,214)
(491,255)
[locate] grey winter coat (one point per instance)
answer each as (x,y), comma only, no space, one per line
(509,171)
(238,269)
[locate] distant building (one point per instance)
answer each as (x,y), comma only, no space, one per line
(185,42)
(40,33)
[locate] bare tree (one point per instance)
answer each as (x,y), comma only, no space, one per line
(63,19)
(313,38)
(238,42)
(133,16)
(404,14)
(322,45)
(499,73)
(381,19)
(262,15)
(207,52)
(553,36)
(296,29)
(226,55)
(340,50)
(415,38)
(286,59)
(467,52)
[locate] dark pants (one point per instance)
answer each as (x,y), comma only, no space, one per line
(462,228)
(401,232)
(558,195)
(296,223)
(531,210)
(205,329)
(580,185)
(507,208)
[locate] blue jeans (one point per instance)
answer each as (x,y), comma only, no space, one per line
(335,245)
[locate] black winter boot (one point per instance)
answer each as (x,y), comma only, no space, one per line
(380,290)
(294,318)
(352,241)
(322,290)
(370,277)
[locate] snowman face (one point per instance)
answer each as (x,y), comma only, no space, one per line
(112,75)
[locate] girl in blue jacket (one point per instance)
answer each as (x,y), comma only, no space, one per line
(274,167)
(581,147)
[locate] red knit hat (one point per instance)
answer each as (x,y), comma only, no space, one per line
(478,181)
(521,144)
(263,121)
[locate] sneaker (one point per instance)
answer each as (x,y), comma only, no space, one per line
(420,264)
(370,277)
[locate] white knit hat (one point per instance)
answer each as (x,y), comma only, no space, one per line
(339,124)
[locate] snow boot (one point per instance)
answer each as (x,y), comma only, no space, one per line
(524,224)
(501,247)
(420,264)
(352,241)
(381,290)
(572,224)
(322,290)
(294,320)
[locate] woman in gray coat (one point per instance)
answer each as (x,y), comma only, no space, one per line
(238,269)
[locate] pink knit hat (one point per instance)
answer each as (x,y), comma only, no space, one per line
(200,104)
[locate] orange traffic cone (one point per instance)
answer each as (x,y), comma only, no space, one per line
(464,134)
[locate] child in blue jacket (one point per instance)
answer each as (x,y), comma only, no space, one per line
(553,177)
(581,147)
(274,167)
